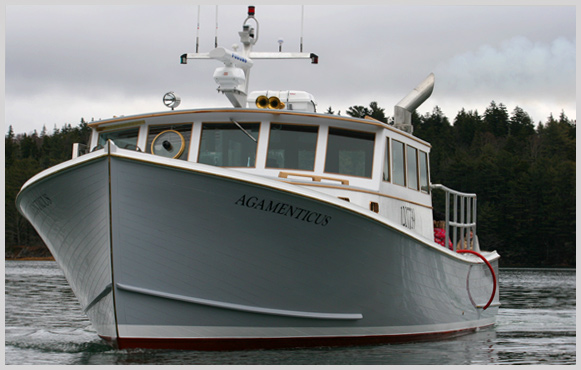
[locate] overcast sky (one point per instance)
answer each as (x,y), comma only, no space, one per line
(66,62)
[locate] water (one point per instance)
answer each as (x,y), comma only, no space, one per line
(536,325)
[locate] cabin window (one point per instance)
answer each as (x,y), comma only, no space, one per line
(172,141)
(226,145)
(126,139)
(424,175)
(349,152)
(398,160)
(386,176)
(292,146)
(412,162)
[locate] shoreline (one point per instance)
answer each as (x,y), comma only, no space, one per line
(30,259)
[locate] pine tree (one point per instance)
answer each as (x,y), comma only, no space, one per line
(358,111)
(10,147)
(377,112)
(466,125)
(496,119)
(521,124)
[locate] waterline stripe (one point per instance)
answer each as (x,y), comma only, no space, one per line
(245,332)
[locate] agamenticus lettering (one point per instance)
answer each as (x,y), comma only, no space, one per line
(284,209)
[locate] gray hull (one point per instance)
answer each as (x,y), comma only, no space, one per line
(70,211)
(192,256)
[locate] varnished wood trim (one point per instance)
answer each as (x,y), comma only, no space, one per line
(359,191)
(271,112)
(317,178)
(131,124)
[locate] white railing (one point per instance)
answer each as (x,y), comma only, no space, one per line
(79,150)
(460,217)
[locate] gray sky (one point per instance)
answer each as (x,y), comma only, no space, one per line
(66,62)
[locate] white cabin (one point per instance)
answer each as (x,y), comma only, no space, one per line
(362,161)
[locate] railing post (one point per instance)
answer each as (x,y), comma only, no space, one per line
(462,221)
(476,243)
(468,221)
(447,240)
(455,229)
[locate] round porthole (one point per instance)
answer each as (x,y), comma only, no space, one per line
(168,143)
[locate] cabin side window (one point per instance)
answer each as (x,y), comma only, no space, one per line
(226,145)
(349,152)
(292,146)
(172,141)
(126,139)
(412,167)
(386,176)
(424,174)
(398,161)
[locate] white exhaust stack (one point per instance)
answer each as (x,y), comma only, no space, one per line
(402,112)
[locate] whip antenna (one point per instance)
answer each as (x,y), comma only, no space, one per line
(198,31)
(302,23)
(216,35)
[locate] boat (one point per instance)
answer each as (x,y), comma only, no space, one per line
(262,225)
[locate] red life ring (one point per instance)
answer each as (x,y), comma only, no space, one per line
(491,271)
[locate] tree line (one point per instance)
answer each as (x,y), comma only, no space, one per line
(523,174)
(26,155)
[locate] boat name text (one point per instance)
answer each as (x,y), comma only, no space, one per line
(40,203)
(408,217)
(284,209)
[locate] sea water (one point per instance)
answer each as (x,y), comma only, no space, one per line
(44,324)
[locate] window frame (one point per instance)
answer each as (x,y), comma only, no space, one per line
(229,123)
(416,166)
(118,130)
(427,172)
(372,152)
(387,161)
(404,162)
(317,132)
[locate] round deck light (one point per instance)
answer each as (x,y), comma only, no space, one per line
(171,100)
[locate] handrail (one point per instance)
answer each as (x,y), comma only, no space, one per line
(462,217)
(317,178)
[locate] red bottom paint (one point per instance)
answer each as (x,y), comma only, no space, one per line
(233,344)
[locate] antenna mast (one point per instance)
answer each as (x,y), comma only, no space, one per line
(232,79)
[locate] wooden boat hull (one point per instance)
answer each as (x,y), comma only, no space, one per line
(170,254)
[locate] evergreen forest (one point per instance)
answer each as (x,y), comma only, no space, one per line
(523,174)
